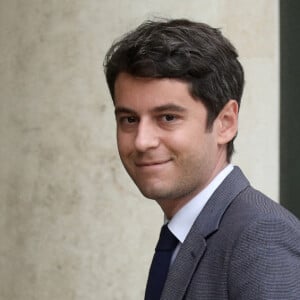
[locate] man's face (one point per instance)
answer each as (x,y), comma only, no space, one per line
(162,138)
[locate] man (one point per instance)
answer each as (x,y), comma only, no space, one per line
(177,86)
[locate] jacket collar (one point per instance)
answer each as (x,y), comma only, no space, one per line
(206,224)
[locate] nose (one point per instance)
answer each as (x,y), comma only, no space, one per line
(147,136)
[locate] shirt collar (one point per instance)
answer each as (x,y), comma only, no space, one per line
(182,221)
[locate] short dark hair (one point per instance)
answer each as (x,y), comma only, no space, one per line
(189,51)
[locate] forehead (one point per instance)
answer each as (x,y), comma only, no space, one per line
(145,93)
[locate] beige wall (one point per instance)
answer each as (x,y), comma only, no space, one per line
(72,225)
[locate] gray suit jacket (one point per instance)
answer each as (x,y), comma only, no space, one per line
(242,246)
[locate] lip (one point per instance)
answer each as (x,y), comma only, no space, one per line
(148,164)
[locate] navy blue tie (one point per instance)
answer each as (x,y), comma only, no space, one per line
(160,264)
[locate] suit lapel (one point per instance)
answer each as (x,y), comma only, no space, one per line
(194,246)
(183,268)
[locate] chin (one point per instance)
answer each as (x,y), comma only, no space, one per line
(154,194)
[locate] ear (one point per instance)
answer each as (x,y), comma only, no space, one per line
(227,122)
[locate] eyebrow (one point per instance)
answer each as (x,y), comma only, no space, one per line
(162,108)
(169,107)
(124,110)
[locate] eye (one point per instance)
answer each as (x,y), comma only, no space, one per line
(127,120)
(168,118)
(130,119)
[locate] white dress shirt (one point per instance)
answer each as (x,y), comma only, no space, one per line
(183,220)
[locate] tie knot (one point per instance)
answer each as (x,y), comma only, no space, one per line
(167,241)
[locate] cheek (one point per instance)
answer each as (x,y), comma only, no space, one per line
(125,144)
(188,140)
(197,147)
(121,143)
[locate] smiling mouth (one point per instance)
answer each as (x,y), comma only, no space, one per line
(152,164)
